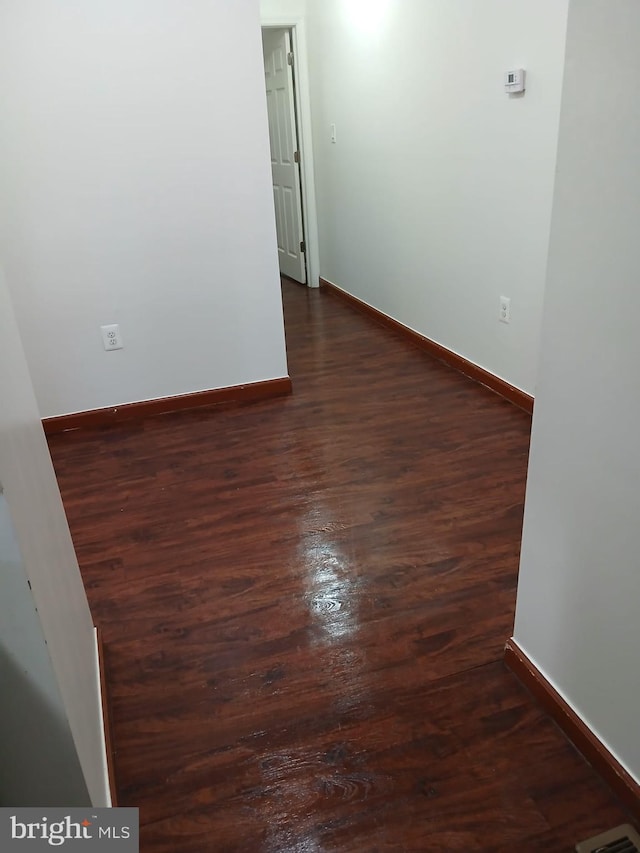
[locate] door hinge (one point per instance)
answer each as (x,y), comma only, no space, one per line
(296,156)
(303,247)
(290,58)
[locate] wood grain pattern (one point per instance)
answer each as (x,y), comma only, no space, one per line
(596,753)
(478,374)
(304,604)
(234,394)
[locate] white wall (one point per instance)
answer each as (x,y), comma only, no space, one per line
(436,198)
(39,765)
(135,184)
(282,9)
(579,587)
(47,557)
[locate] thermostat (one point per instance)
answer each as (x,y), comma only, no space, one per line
(514,80)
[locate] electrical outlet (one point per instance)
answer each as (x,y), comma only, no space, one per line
(504,314)
(111,337)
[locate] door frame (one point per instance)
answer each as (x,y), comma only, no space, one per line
(296,24)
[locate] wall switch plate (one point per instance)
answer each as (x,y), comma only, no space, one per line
(504,314)
(111,337)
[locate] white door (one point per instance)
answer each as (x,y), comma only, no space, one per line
(285,165)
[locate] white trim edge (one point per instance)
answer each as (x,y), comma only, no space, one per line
(103,740)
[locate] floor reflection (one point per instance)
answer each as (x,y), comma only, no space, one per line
(332,593)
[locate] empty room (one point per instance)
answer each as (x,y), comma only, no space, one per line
(318,455)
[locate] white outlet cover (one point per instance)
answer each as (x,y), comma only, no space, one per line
(111,337)
(504,314)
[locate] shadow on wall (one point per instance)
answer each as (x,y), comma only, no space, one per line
(38,760)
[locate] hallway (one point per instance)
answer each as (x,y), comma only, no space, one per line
(304,604)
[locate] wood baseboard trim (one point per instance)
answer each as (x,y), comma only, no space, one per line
(106,716)
(585,741)
(252,392)
(468,368)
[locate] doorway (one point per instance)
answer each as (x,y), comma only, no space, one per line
(285,152)
(286,86)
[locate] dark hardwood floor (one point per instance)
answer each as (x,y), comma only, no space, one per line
(304,604)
